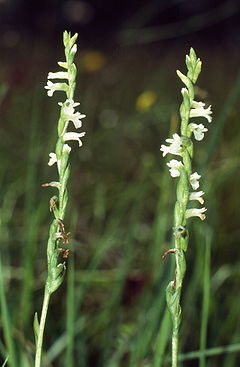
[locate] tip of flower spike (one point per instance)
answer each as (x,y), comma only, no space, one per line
(192,55)
(69,40)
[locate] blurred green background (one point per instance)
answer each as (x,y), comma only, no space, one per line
(111,309)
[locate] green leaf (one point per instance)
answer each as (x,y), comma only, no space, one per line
(5,362)
(36,327)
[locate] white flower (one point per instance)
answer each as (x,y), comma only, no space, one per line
(70,114)
(194,180)
(198,130)
(196,213)
(73,136)
(197,196)
(175,167)
(58,75)
(52,87)
(66,148)
(198,110)
(175,146)
(52,159)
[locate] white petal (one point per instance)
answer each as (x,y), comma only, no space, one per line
(52,87)
(70,114)
(198,130)
(58,75)
(196,213)
(175,146)
(194,180)
(197,196)
(198,110)
(52,159)
(73,136)
(196,104)
(66,148)
(175,167)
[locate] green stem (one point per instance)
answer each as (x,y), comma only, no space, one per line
(46,300)
(6,324)
(205,301)
(175,347)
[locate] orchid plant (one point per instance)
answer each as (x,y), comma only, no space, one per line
(182,146)
(58,238)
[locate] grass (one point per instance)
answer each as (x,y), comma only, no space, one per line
(111,306)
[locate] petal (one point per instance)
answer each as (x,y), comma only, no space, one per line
(52,87)
(197,196)
(175,167)
(58,75)
(194,180)
(175,146)
(52,159)
(73,136)
(198,130)
(66,148)
(196,213)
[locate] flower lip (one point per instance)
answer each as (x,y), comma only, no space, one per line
(198,130)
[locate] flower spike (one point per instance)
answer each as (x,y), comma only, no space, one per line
(64,81)
(182,145)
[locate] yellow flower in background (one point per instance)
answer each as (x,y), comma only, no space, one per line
(93,61)
(145,100)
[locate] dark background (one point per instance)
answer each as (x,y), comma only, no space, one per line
(117,23)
